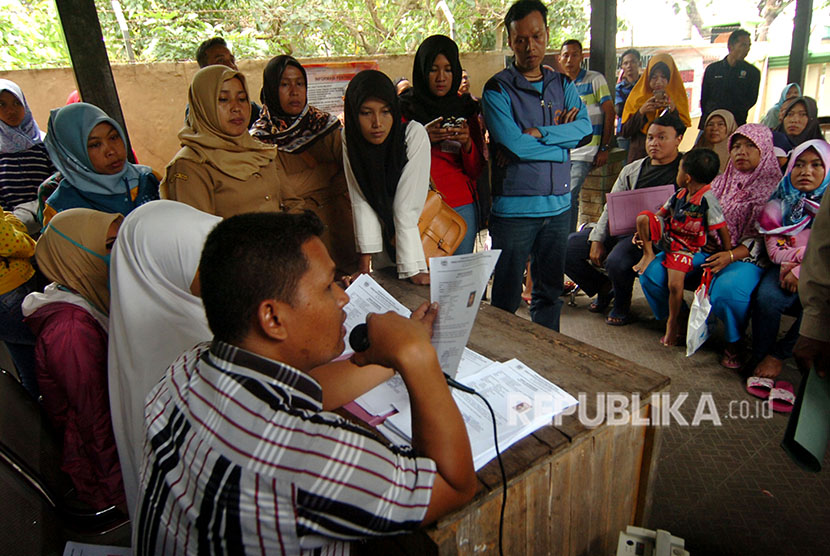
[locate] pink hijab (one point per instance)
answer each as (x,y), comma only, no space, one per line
(743,195)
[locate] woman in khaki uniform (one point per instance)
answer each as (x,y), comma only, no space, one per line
(310,154)
(221,169)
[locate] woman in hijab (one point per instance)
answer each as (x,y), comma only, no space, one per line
(309,155)
(155,314)
(785,224)
(17,280)
(70,321)
(743,189)
(452,124)
(89,151)
(220,168)
(720,124)
(661,90)
(24,161)
(772,119)
(799,123)
(387,166)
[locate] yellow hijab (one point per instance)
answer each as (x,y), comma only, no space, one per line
(72,251)
(202,138)
(642,92)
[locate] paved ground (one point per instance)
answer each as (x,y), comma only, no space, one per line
(728,489)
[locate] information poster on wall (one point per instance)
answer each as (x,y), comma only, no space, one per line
(327,83)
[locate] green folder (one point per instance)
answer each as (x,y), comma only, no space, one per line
(808,429)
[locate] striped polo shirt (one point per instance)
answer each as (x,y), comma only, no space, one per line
(593,90)
(240,458)
(21,173)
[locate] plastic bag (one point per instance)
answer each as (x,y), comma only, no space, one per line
(698,331)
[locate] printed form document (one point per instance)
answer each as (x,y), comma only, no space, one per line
(522,400)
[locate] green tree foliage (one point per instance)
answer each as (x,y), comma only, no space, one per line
(172,29)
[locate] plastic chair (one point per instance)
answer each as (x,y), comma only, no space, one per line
(31,449)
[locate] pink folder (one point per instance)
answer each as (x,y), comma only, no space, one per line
(624,206)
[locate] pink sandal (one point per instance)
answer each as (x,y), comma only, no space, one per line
(782,397)
(731,360)
(759,387)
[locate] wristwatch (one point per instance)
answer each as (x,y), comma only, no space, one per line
(604,148)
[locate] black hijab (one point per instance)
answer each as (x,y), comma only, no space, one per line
(418,103)
(377,168)
(292,134)
(812,130)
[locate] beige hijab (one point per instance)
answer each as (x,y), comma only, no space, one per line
(73,252)
(202,138)
(722,148)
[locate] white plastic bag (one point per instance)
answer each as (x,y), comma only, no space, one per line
(698,331)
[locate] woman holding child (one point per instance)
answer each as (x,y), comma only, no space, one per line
(785,225)
(743,189)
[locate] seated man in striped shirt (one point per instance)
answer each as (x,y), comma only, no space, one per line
(239,456)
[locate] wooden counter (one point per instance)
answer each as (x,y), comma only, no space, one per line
(571,489)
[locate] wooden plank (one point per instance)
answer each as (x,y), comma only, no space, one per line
(604,473)
(93,74)
(561,500)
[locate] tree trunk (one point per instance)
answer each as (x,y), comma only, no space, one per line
(694,16)
(769,10)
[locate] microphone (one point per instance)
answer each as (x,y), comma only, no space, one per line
(359,338)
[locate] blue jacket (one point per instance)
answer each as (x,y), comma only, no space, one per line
(512,104)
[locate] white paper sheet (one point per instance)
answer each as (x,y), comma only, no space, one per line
(522,400)
(367,296)
(457,284)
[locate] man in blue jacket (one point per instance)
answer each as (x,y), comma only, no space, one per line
(534,116)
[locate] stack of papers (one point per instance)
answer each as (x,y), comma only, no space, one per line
(522,400)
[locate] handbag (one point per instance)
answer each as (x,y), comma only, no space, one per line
(698,331)
(442,229)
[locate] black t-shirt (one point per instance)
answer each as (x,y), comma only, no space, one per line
(664,174)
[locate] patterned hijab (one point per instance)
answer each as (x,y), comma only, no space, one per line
(418,103)
(291,134)
(742,195)
(202,138)
(642,91)
(72,251)
(27,134)
(789,211)
(66,140)
(722,148)
(377,168)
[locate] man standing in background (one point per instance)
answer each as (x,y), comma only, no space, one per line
(630,65)
(593,90)
(732,83)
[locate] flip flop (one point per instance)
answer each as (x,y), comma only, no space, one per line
(601,303)
(759,387)
(614,320)
(782,397)
(731,360)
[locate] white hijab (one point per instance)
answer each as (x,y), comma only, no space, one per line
(153,315)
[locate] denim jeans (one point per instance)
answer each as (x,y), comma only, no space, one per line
(771,301)
(468,213)
(730,295)
(18,338)
(622,256)
(579,171)
(543,239)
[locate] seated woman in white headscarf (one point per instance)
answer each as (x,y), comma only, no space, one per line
(156,314)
